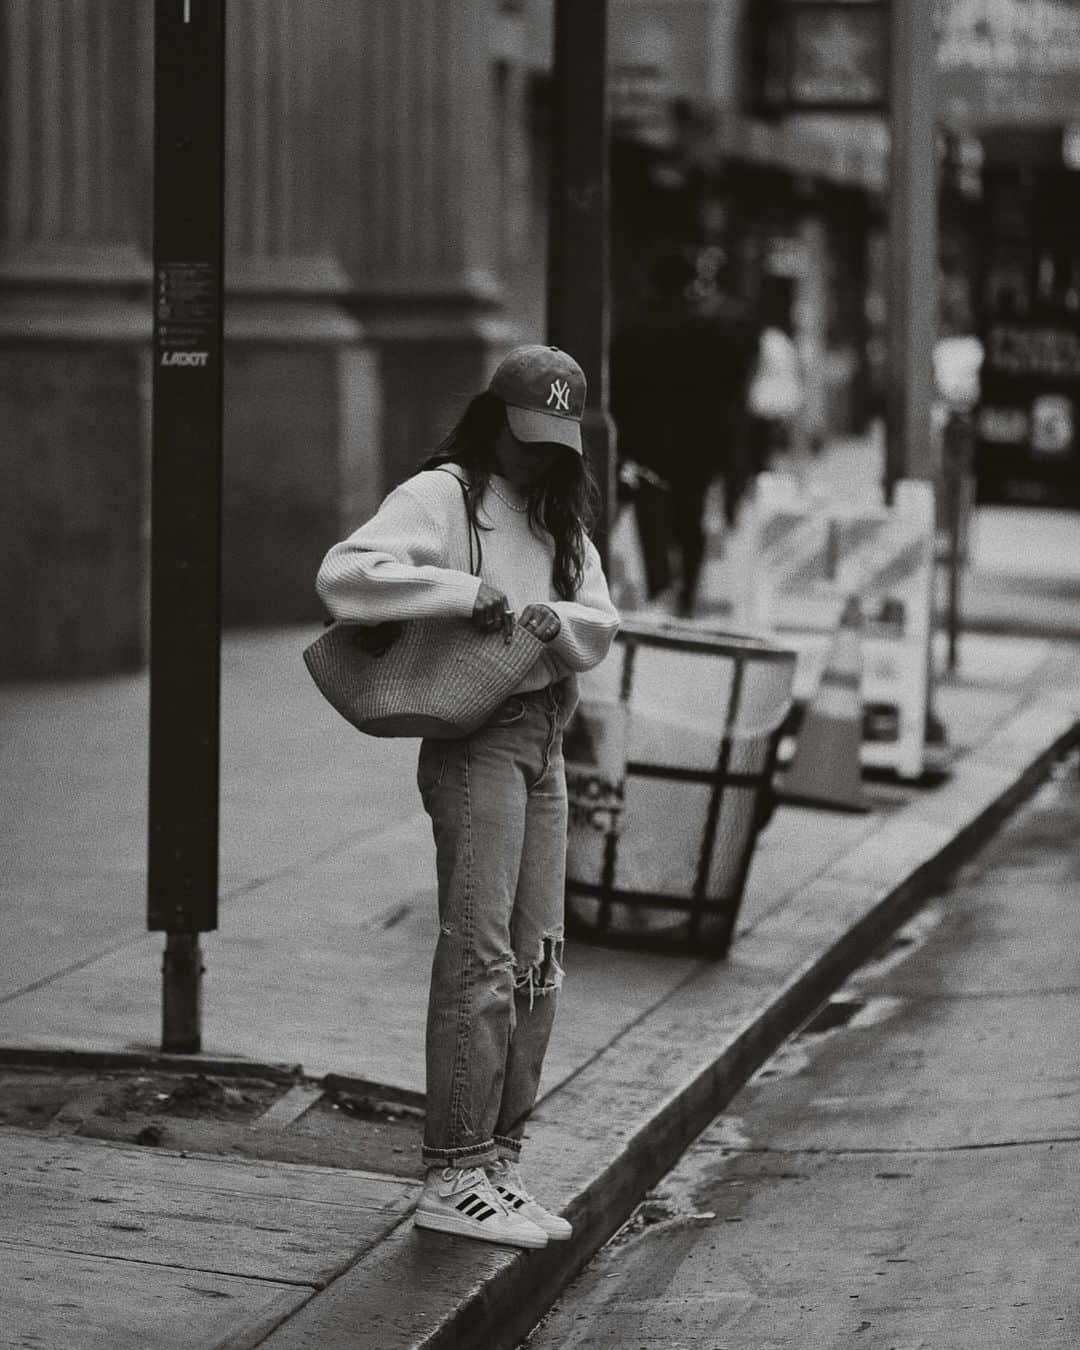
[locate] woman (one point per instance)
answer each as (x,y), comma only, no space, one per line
(497,798)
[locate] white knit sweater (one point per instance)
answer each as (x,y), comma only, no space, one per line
(411,561)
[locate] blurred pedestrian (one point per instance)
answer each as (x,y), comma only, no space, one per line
(777,394)
(497,798)
(679,369)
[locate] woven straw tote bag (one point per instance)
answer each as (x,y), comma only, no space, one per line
(438,677)
(425,677)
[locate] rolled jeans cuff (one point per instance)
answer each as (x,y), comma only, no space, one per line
(474,1155)
(508,1148)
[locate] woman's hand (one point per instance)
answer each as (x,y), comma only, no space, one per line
(541,621)
(492,611)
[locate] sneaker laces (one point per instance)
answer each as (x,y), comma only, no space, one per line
(475,1179)
(509,1174)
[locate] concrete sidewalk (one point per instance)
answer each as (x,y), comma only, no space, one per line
(321,959)
(327,873)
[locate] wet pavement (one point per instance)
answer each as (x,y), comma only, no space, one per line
(903,1174)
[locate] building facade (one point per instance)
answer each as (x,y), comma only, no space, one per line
(386,178)
(382,250)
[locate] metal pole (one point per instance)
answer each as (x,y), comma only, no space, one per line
(954,578)
(578,282)
(913,270)
(912,289)
(959,435)
(185,553)
(181,1004)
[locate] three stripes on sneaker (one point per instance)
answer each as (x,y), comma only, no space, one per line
(474,1207)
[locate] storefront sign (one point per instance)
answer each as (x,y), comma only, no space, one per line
(1008,61)
(1039,350)
(1027,450)
(827,56)
(1008,35)
(1026,424)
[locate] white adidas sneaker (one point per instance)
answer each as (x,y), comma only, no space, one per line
(463,1201)
(506,1178)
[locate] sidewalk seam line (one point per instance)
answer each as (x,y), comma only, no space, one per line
(281,1282)
(75,966)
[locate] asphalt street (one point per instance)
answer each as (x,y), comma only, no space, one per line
(905,1173)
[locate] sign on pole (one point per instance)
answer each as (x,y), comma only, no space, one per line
(182,872)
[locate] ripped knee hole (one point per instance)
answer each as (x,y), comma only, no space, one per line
(545,974)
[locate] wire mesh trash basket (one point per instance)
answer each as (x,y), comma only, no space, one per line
(669,761)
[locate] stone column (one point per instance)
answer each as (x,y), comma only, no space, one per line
(423,201)
(302,394)
(75,242)
(74,330)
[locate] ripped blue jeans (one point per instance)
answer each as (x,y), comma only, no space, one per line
(497,802)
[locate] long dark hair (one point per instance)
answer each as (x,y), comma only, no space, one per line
(563,503)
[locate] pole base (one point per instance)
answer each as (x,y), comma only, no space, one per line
(181,1010)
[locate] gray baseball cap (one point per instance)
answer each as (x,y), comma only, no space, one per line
(544,392)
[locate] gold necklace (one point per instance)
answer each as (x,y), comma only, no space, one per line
(512,505)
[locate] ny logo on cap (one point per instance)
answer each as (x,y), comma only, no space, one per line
(560,396)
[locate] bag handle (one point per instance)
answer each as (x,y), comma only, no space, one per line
(474,532)
(473,528)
